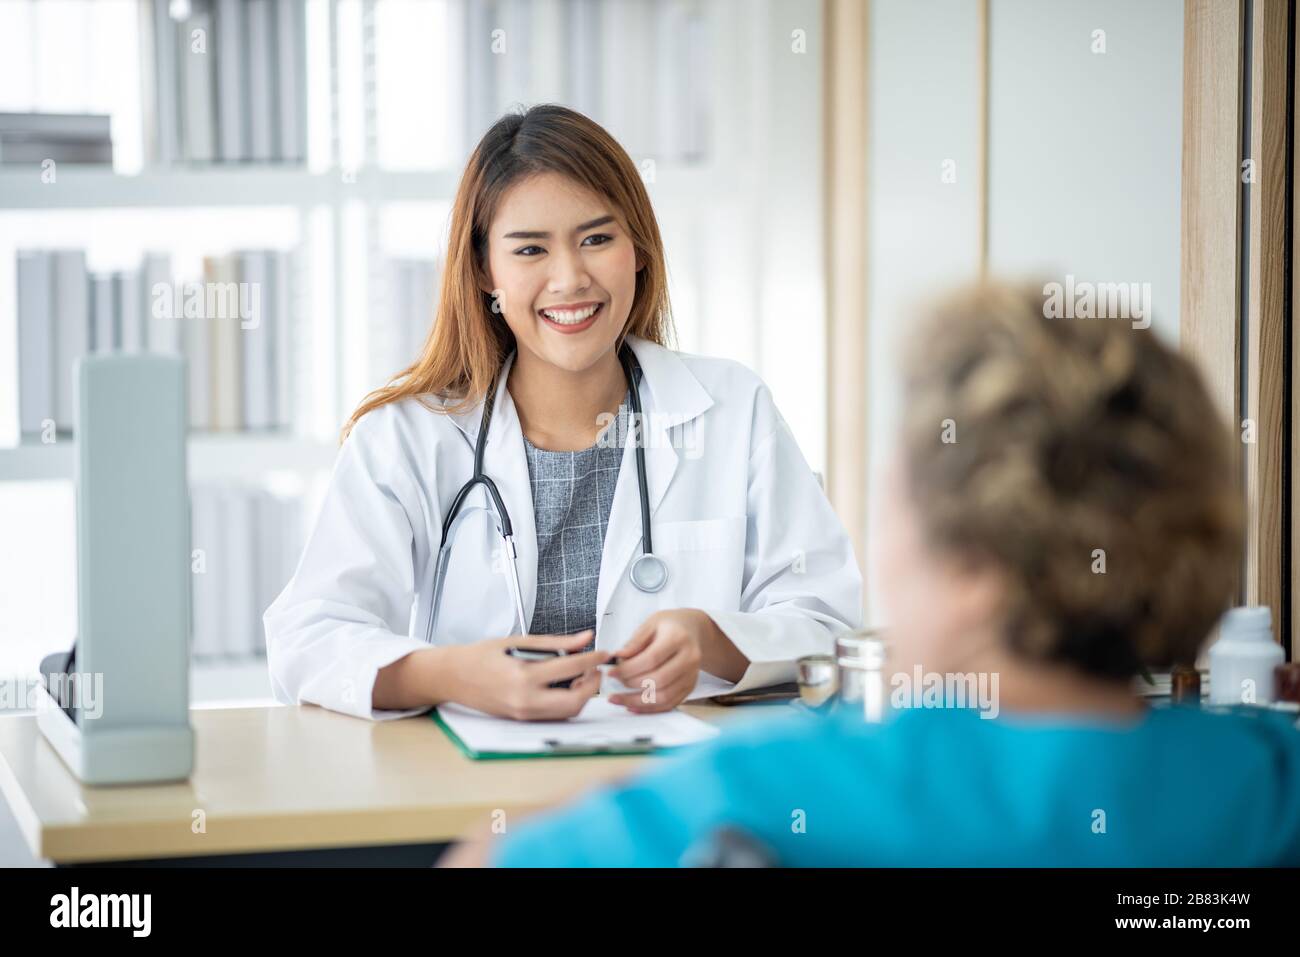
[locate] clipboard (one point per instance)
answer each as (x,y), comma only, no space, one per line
(676,730)
(557,751)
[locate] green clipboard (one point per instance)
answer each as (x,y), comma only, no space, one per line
(634,747)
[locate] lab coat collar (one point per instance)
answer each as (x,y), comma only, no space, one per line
(674,393)
(467,420)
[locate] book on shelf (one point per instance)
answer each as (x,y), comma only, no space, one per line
(207,548)
(403,318)
(674,92)
(627,79)
(272,521)
(237,566)
(249,539)
(480,70)
(422,276)
(546,79)
(257,341)
(196,335)
(162,320)
(251,358)
(513,68)
(259,42)
(583,56)
(383,335)
(235,329)
(65,313)
(62,137)
(232,119)
(693,114)
(228,82)
(228,295)
(291,79)
(161,106)
(36,346)
(56,126)
(129,305)
(15,150)
(197,75)
(638,67)
(283,319)
(103,322)
(72,329)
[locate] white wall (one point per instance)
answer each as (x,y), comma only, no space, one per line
(752,258)
(923,233)
(1084,162)
(1085,149)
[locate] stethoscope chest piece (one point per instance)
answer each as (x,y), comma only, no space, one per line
(649,573)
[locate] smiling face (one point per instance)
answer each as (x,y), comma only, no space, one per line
(555,244)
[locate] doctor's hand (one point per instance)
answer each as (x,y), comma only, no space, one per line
(488,679)
(662,660)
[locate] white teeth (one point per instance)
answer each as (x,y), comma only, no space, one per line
(570,318)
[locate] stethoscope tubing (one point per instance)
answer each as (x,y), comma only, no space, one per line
(451,521)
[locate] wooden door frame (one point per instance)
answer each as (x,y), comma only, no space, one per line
(1238,105)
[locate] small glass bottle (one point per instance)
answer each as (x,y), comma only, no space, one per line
(1185,685)
(1286,678)
(860,657)
(818,681)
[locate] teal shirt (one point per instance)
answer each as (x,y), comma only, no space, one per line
(945,787)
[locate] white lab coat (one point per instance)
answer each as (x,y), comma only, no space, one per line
(737,515)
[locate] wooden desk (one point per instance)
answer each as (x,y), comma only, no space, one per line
(289,779)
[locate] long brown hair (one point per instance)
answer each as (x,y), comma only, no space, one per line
(469,341)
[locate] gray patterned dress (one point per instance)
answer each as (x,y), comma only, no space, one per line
(572,496)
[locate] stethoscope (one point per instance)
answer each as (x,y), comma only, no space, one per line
(648,573)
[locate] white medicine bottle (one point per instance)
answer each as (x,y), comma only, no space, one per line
(1243,659)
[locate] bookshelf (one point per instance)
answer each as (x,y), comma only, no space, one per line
(89,187)
(338,193)
(737,192)
(212,457)
(738,206)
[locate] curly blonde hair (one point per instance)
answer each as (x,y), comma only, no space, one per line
(1086,459)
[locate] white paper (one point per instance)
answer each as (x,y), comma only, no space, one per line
(599,724)
(709,685)
(706,686)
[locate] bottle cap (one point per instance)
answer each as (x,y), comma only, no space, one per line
(864,648)
(1254,621)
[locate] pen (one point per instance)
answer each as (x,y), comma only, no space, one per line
(535,654)
(543,654)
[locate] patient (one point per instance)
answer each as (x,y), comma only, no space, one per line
(1062,511)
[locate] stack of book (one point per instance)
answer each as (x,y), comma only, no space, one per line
(638,67)
(234,328)
(65,313)
(237,332)
(402,320)
(244,541)
(226,81)
(62,137)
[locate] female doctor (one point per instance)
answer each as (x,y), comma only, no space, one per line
(504,485)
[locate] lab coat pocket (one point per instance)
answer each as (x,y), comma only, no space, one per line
(706,562)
